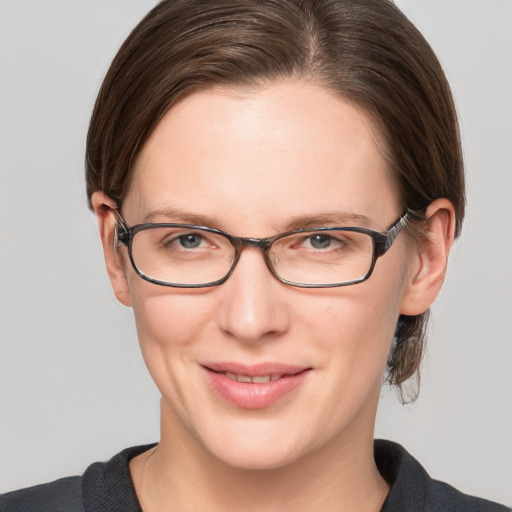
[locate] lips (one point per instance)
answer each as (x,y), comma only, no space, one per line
(256,386)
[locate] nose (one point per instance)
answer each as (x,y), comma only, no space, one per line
(252,308)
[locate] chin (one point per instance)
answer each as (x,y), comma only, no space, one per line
(258,445)
(257,457)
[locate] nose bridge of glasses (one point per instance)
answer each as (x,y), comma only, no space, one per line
(241,243)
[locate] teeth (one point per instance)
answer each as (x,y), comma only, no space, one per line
(259,379)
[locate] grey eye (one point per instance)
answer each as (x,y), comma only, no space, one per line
(190,241)
(320,241)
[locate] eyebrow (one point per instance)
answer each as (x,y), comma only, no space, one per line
(335,218)
(340,219)
(177,215)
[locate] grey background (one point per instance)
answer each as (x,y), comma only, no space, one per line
(73,387)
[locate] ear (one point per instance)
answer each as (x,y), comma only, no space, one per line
(103,207)
(431,259)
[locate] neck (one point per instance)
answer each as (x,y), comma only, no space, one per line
(340,475)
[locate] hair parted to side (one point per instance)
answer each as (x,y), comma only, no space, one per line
(366,51)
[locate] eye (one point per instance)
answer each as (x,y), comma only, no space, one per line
(183,240)
(320,241)
(190,241)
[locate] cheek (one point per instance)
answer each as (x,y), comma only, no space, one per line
(357,337)
(359,314)
(166,317)
(168,325)
(166,322)
(355,325)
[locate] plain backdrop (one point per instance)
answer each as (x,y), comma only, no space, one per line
(73,387)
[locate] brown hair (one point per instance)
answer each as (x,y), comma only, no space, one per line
(366,51)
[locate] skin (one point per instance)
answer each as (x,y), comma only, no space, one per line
(252,163)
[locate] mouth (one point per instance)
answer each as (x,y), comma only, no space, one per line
(255,386)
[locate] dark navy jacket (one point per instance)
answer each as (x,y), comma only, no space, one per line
(107,487)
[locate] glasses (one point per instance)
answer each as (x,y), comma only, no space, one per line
(188,256)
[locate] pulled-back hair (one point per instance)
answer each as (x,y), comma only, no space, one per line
(366,51)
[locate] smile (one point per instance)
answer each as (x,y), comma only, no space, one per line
(254,387)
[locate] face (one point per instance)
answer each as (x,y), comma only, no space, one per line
(252,164)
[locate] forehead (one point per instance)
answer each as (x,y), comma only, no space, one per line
(290,149)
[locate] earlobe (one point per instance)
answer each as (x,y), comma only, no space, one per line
(428,271)
(103,207)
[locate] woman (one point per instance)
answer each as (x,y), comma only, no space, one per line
(277,186)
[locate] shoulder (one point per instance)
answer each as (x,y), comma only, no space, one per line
(64,495)
(442,496)
(412,488)
(103,486)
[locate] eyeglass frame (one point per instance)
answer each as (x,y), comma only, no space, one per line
(382,241)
